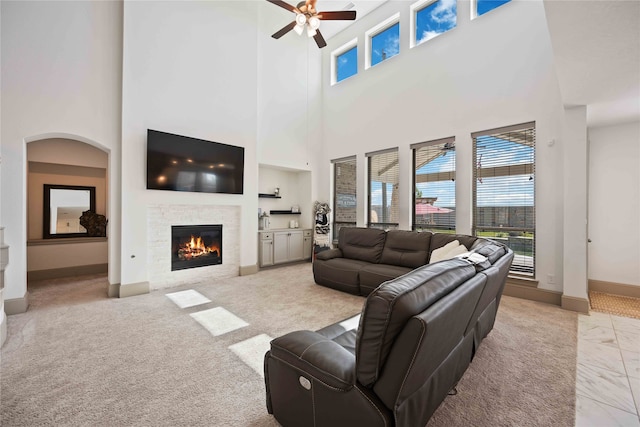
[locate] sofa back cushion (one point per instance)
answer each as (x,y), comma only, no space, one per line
(492,250)
(364,244)
(389,307)
(406,248)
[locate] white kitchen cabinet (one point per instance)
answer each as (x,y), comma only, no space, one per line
(265,249)
(307,244)
(282,246)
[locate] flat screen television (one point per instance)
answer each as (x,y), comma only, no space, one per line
(182,163)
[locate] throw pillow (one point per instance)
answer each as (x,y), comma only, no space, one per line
(441,253)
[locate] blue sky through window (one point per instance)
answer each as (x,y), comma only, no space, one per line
(511,190)
(385,44)
(347,64)
(445,191)
(435,19)
(484,6)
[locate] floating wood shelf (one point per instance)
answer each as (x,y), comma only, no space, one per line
(284,213)
(268,196)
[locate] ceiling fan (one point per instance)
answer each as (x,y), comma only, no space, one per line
(307,16)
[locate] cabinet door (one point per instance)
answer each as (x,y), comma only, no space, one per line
(307,245)
(296,246)
(280,247)
(266,252)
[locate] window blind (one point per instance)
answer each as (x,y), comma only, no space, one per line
(383,193)
(344,194)
(504,191)
(434,198)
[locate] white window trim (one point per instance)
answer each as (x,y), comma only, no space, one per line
(334,58)
(369,34)
(474,9)
(413,10)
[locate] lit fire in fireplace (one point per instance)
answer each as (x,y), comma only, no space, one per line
(196,248)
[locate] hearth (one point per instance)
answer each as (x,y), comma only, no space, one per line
(195,246)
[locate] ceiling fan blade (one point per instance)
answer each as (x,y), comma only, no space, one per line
(284,30)
(319,39)
(284,5)
(348,15)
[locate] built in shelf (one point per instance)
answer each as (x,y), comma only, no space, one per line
(268,196)
(284,213)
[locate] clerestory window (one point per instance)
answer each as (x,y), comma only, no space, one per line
(430,18)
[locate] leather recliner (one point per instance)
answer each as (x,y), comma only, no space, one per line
(415,338)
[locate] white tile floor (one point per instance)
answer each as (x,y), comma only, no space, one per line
(608,371)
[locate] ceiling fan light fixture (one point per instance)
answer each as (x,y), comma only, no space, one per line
(301,19)
(314,22)
(311,31)
(298,29)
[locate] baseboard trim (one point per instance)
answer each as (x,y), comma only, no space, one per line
(533,294)
(581,305)
(114,290)
(3,328)
(246,270)
(614,288)
(133,289)
(57,273)
(16,305)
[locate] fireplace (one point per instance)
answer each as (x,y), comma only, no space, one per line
(195,246)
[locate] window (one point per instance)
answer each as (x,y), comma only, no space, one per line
(344,61)
(434,198)
(382,41)
(504,191)
(430,18)
(484,6)
(383,203)
(344,194)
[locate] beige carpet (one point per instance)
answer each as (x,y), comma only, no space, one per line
(615,304)
(78,358)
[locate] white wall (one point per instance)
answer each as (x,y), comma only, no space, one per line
(494,71)
(190,68)
(294,190)
(614,203)
(284,91)
(61,68)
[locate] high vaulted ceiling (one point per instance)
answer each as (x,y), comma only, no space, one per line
(596,49)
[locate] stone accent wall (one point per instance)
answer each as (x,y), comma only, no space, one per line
(160,218)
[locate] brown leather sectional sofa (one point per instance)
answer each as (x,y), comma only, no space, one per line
(394,363)
(367,257)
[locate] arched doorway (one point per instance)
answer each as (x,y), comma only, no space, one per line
(60,248)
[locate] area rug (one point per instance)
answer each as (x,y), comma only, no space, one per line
(79,358)
(615,304)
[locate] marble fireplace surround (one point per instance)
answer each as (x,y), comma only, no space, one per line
(160,218)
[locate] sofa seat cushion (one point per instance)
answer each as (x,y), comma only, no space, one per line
(406,248)
(372,275)
(343,333)
(339,273)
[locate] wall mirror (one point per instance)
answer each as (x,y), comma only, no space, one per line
(63,207)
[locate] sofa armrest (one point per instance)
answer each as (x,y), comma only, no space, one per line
(329,254)
(321,358)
